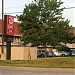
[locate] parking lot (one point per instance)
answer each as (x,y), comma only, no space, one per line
(45,53)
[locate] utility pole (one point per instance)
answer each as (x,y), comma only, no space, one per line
(2,26)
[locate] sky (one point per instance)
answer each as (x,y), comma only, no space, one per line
(11,6)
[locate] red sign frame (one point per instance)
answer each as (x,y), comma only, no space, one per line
(10,25)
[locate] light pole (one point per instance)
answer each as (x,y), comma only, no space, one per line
(2,26)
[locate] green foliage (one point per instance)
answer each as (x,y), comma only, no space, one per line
(42,23)
(64,48)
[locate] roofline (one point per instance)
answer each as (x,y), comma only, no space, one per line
(14,34)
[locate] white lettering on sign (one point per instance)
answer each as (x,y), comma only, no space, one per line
(11,20)
(10,25)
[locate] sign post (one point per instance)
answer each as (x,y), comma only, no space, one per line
(2,26)
(8,33)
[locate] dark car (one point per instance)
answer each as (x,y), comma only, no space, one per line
(73,53)
(51,53)
(40,53)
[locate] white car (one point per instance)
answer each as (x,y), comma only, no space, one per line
(57,53)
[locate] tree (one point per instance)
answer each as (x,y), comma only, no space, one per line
(42,23)
(64,48)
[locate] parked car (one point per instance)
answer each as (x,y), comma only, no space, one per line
(41,53)
(73,53)
(57,54)
(63,53)
(50,54)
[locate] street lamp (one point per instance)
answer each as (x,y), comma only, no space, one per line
(2,26)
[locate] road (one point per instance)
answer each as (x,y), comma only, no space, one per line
(21,71)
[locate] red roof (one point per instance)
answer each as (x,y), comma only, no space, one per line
(16,32)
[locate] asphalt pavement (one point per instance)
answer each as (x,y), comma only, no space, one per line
(7,70)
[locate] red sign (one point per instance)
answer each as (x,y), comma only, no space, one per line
(10,25)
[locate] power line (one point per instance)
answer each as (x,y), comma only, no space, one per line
(13,12)
(69,8)
(22,12)
(69,2)
(13,7)
(23,6)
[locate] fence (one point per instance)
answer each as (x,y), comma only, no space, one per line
(20,53)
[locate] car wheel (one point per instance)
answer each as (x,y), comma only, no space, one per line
(63,55)
(42,55)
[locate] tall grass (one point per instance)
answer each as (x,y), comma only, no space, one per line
(55,62)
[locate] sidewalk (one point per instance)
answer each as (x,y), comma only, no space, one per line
(39,69)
